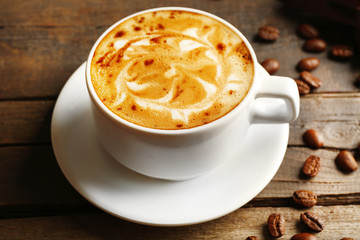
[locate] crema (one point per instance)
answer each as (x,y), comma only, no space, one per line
(171,70)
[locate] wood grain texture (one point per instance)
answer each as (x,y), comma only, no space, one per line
(36,62)
(237,225)
(30,176)
(335,116)
(100,13)
(25,121)
(330,180)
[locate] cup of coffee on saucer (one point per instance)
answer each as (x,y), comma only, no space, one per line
(175,90)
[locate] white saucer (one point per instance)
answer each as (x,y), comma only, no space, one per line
(131,196)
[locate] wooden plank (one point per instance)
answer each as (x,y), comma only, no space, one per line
(25,121)
(97,12)
(335,116)
(329,181)
(30,176)
(36,62)
(340,221)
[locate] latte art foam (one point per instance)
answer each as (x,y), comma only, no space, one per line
(171,70)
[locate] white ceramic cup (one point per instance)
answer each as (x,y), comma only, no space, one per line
(187,153)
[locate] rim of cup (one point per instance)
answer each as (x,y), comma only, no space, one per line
(217,122)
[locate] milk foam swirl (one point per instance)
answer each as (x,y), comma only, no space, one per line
(172,68)
(175,73)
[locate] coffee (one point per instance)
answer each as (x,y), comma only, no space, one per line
(311,166)
(171,69)
(312,221)
(305,198)
(313,139)
(276,225)
(308,64)
(268,33)
(304,236)
(271,65)
(315,45)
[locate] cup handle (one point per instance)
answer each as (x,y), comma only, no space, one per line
(277,100)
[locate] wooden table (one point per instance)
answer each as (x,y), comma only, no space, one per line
(43,42)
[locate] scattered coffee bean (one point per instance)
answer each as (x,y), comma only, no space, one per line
(304,236)
(315,45)
(303,87)
(268,33)
(311,166)
(346,161)
(271,65)
(342,51)
(307,31)
(252,238)
(276,225)
(308,64)
(305,198)
(347,239)
(313,221)
(313,139)
(310,79)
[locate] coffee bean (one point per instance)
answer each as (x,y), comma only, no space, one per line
(305,198)
(303,87)
(276,225)
(268,33)
(304,236)
(342,51)
(313,221)
(271,65)
(346,161)
(252,238)
(310,79)
(315,45)
(313,139)
(308,64)
(307,31)
(311,166)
